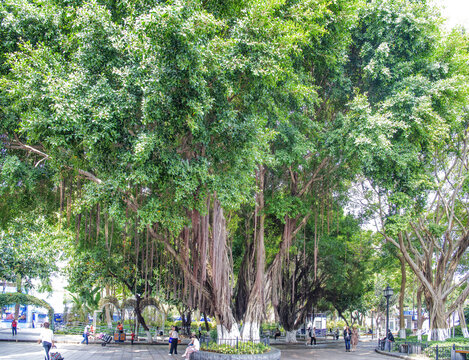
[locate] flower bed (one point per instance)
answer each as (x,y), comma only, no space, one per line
(241,348)
(273,354)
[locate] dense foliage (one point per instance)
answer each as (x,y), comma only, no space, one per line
(213,153)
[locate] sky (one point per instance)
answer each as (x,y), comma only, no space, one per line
(456,11)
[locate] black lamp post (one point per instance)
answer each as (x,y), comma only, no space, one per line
(388,292)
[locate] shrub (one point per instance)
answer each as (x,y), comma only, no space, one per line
(214,334)
(241,348)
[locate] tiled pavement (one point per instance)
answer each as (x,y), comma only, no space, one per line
(30,351)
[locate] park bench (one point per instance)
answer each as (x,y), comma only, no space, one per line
(459,354)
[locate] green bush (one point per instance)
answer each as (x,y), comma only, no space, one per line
(458,331)
(241,348)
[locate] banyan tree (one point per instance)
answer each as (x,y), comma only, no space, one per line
(154,129)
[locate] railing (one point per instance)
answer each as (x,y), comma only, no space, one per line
(407,347)
(437,352)
(235,342)
(446,352)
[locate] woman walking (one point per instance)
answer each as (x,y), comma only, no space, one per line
(347,338)
(47,339)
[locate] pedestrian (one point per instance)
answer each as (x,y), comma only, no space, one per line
(47,339)
(193,346)
(354,340)
(347,338)
(120,328)
(312,335)
(14,327)
(174,340)
(132,338)
(86,333)
(390,340)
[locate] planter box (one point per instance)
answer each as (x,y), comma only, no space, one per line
(273,354)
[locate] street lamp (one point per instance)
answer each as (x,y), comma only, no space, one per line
(388,292)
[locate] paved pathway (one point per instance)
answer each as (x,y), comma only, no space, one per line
(11,350)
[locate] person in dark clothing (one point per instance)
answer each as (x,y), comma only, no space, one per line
(389,340)
(347,337)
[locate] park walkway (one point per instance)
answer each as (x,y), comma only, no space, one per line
(27,350)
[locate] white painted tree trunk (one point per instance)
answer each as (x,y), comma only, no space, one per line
(402,333)
(462,322)
(149,337)
(250,332)
(229,337)
(419,334)
(438,334)
(290,336)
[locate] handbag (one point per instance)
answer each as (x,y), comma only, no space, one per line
(56,356)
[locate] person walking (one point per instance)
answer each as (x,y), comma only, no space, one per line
(86,333)
(174,340)
(14,327)
(47,339)
(193,346)
(347,338)
(312,335)
(354,340)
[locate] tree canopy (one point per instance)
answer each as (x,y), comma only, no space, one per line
(207,151)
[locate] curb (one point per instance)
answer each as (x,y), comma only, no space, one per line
(396,355)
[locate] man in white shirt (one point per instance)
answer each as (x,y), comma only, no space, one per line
(47,339)
(86,333)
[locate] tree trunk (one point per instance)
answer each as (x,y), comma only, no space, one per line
(402,332)
(290,336)
(227,327)
(18,289)
(462,322)
(107,309)
(439,330)
(255,305)
(138,313)
(419,313)
(228,336)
